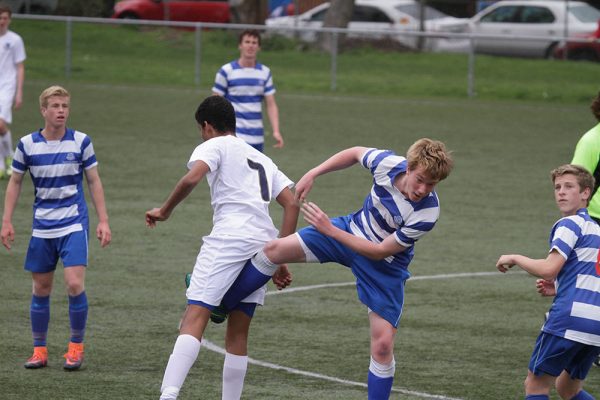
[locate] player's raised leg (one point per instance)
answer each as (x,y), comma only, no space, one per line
(260,268)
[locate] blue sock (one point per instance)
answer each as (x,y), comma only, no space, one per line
(249,279)
(537,397)
(379,388)
(583,395)
(78,310)
(39,311)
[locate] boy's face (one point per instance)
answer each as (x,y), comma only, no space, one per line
(249,46)
(56,111)
(4,22)
(568,195)
(418,184)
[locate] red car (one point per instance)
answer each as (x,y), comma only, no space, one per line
(173,10)
(583,51)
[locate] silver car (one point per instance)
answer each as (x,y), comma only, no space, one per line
(546,20)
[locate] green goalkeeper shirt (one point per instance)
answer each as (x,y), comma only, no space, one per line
(587,154)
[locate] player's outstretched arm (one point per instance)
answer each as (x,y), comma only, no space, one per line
(343,159)
(183,188)
(13,190)
(103,232)
(375,251)
(283,277)
(547,268)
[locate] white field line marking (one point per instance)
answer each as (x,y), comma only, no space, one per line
(414,278)
(213,347)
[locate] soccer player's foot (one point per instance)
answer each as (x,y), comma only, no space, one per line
(188,279)
(218,314)
(74,356)
(39,359)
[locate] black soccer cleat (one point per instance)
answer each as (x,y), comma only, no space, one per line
(218,314)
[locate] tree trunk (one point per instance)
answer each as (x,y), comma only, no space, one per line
(338,16)
(249,11)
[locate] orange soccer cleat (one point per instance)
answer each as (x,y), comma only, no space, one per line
(39,359)
(74,356)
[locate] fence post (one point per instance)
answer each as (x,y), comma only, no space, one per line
(68,48)
(198,55)
(471,69)
(334,52)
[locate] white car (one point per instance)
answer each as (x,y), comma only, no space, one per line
(395,16)
(540,18)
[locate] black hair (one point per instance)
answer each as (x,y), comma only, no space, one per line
(218,112)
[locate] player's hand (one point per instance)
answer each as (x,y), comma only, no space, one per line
(8,235)
(18,101)
(153,216)
(317,218)
(279,139)
(304,186)
(282,277)
(545,287)
(505,262)
(103,234)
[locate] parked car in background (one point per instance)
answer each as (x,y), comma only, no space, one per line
(31,6)
(547,19)
(173,10)
(588,50)
(394,16)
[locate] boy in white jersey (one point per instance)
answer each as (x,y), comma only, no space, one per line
(242,181)
(12,75)
(57,158)
(570,338)
(376,242)
(245,83)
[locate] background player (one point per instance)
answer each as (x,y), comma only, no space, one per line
(245,83)
(376,242)
(242,183)
(57,159)
(570,338)
(12,75)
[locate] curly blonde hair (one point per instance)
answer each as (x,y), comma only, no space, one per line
(433,156)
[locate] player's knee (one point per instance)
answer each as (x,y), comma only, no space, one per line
(271,250)
(3,127)
(74,286)
(382,348)
(42,289)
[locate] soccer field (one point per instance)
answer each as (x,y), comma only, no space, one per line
(466,332)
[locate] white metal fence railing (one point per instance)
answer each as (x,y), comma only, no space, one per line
(199,26)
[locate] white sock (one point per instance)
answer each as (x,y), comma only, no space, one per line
(234,372)
(263,264)
(383,370)
(184,355)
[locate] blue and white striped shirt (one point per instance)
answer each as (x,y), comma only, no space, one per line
(386,211)
(56,168)
(246,88)
(575,312)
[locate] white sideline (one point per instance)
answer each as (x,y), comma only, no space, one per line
(213,347)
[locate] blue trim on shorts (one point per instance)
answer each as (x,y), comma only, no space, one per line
(246,308)
(43,254)
(554,354)
(379,284)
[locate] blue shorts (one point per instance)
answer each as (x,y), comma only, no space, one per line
(553,354)
(42,254)
(380,284)
(246,308)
